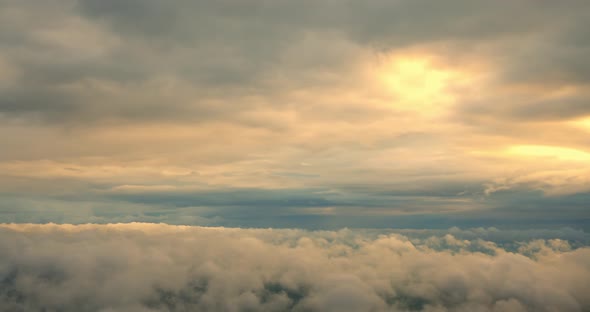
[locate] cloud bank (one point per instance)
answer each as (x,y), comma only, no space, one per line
(154,267)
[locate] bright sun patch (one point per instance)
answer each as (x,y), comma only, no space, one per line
(583,123)
(416,84)
(559,153)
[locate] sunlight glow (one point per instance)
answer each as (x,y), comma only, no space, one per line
(583,123)
(559,153)
(416,84)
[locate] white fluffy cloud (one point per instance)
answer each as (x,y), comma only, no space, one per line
(150,267)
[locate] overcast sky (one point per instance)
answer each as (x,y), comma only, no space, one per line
(314,114)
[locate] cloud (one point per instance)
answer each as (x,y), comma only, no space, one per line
(129,61)
(408,106)
(151,267)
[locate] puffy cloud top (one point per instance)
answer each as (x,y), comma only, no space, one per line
(151,267)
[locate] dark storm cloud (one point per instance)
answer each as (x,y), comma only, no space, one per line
(149,267)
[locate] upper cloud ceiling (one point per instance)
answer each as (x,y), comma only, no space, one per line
(352,108)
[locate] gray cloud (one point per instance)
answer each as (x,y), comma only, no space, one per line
(436,206)
(113,51)
(150,267)
(262,103)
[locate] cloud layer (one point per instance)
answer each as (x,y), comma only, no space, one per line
(151,267)
(294,109)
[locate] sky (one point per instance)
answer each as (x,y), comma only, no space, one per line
(316,114)
(294,155)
